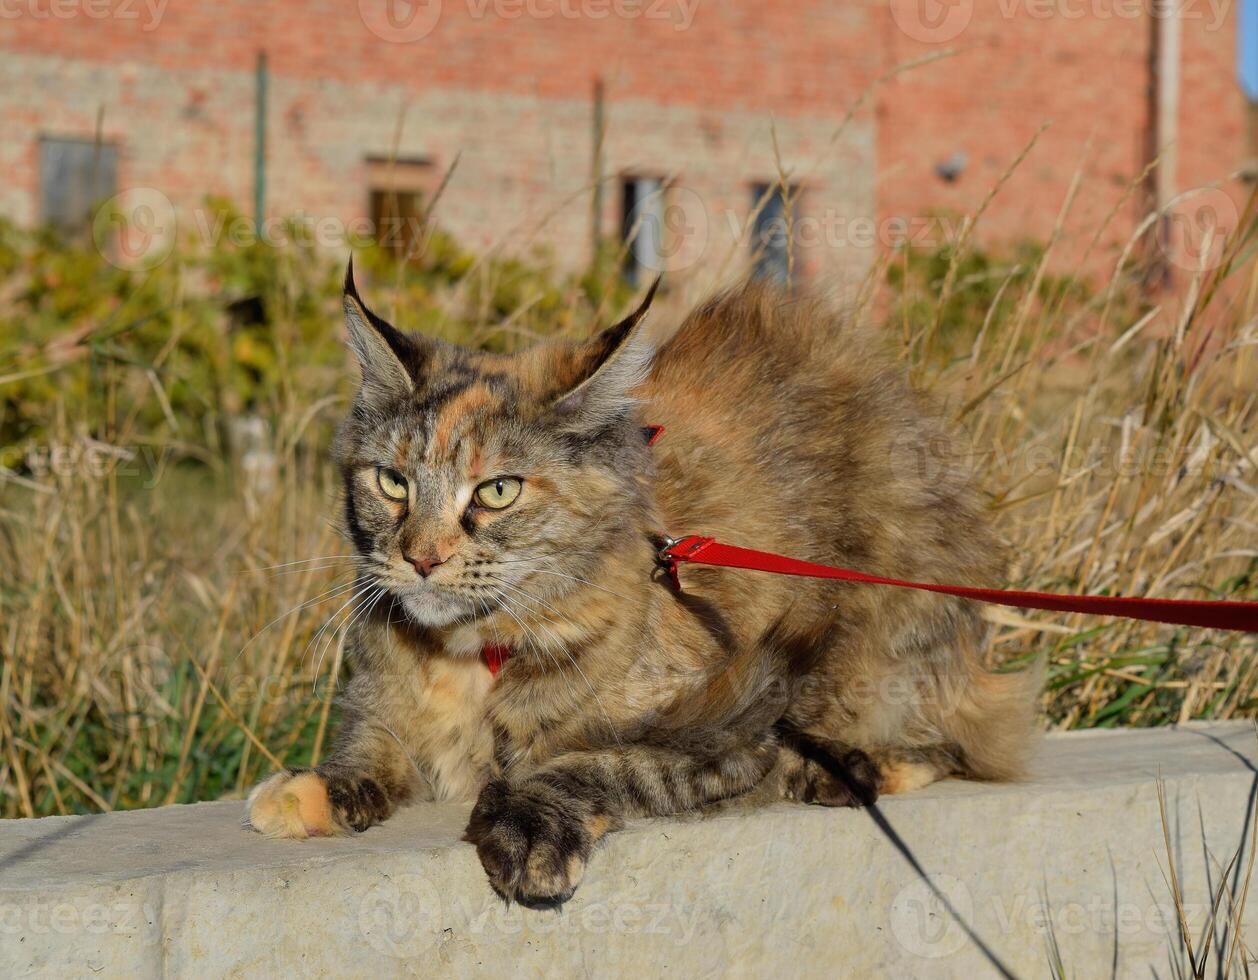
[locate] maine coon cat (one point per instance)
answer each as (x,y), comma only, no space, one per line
(511,503)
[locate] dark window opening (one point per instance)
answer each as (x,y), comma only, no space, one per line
(75,176)
(642,227)
(770,234)
(398,192)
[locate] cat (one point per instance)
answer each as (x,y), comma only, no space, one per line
(511,503)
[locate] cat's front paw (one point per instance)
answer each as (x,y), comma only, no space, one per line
(834,775)
(294,805)
(533,841)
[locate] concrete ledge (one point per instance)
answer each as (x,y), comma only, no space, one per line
(1073,859)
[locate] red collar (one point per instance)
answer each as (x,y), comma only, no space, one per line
(494,655)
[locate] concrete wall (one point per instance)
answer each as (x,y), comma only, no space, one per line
(959,880)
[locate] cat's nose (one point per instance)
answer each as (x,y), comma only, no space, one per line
(425,565)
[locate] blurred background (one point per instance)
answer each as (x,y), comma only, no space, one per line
(1046,204)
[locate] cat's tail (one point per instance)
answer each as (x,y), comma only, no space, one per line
(980,725)
(992,721)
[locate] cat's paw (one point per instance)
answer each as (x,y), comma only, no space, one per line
(292,805)
(845,777)
(533,842)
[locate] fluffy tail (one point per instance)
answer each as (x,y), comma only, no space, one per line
(993,722)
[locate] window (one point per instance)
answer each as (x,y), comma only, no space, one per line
(398,192)
(75,176)
(642,227)
(770,252)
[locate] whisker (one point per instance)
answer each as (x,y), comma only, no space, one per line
(328,622)
(536,601)
(571,659)
(307,561)
(583,581)
(309,570)
(506,607)
(336,590)
(555,555)
(367,605)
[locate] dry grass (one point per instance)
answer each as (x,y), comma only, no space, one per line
(171,630)
(1122,458)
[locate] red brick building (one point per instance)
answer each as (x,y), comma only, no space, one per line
(576,117)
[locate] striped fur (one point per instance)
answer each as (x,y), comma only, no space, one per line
(786,429)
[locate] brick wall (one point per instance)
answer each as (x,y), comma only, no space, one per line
(1079,67)
(690,89)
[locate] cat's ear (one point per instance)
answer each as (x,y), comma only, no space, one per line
(388,357)
(607,368)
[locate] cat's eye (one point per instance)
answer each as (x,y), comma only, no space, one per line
(499,493)
(392,483)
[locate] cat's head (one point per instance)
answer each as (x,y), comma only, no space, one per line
(474,480)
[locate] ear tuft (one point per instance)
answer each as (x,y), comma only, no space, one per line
(386,355)
(612,364)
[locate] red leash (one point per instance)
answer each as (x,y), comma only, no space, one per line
(1216,614)
(1220,614)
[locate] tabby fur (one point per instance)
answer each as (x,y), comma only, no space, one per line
(787,429)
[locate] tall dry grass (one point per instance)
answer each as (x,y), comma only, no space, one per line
(172,619)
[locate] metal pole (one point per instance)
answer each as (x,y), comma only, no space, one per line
(1163,129)
(596,167)
(259,143)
